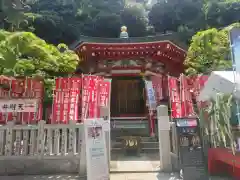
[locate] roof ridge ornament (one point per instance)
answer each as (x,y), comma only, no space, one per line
(124,33)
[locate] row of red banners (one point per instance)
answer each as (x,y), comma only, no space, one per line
(181,92)
(79,98)
(75,98)
(13,95)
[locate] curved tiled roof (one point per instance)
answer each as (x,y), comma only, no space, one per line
(173,37)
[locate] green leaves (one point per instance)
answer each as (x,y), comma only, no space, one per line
(24,54)
(209,51)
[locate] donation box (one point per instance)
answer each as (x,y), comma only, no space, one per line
(191,154)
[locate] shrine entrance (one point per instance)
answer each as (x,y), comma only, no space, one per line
(127,97)
(132,124)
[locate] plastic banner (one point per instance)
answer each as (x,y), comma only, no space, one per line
(157,82)
(151,95)
(187,108)
(66,99)
(104,93)
(90,96)
(174,97)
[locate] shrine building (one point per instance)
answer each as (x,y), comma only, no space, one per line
(128,62)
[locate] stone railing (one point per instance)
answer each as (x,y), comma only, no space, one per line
(42,148)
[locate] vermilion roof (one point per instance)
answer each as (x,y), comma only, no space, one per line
(173,37)
(164,48)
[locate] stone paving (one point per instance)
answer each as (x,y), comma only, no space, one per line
(116,176)
(122,168)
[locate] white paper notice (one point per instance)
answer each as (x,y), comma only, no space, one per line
(97,160)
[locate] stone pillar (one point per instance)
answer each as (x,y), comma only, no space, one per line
(105,114)
(164,138)
(83,159)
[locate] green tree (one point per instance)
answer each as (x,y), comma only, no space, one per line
(220,13)
(12,14)
(134,18)
(24,54)
(209,50)
(170,15)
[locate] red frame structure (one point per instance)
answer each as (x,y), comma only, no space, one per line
(154,58)
(164,52)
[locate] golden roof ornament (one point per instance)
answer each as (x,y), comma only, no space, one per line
(124,33)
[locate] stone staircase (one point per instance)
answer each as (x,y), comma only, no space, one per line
(148,144)
(130,127)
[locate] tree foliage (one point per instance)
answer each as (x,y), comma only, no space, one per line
(209,50)
(170,15)
(65,21)
(190,16)
(134,18)
(12,14)
(24,54)
(220,13)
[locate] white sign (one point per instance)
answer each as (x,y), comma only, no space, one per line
(96,151)
(18,105)
(151,95)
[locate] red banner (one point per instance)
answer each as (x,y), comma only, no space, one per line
(104,93)
(157,82)
(197,83)
(174,97)
(90,96)
(187,108)
(26,88)
(66,100)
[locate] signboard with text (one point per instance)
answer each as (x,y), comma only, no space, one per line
(190,149)
(96,151)
(18,105)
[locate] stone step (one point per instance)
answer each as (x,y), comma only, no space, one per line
(145,145)
(144,150)
(143,139)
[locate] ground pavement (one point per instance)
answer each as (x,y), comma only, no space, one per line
(122,168)
(117,176)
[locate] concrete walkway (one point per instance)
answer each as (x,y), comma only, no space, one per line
(142,163)
(117,176)
(122,168)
